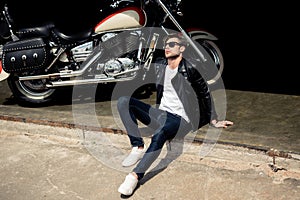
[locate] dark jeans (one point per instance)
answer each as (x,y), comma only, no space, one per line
(166,126)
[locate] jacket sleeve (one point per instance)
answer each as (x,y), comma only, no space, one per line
(205,100)
(160,64)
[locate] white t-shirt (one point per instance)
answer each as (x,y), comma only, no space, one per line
(170,101)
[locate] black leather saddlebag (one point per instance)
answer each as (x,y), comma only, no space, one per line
(23,55)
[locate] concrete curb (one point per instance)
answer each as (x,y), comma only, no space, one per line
(197,140)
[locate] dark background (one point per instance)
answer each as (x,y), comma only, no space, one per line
(259,40)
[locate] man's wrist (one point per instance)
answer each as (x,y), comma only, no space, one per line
(213,122)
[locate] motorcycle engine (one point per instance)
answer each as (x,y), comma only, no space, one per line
(80,53)
(118,66)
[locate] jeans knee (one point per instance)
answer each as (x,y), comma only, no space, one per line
(159,140)
(123,102)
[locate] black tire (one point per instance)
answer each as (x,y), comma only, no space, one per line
(31,93)
(217,57)
(215,54)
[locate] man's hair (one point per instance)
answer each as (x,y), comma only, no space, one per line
(176,35)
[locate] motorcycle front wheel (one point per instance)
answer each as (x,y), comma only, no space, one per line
(217,57)
(31,93)
(215,54)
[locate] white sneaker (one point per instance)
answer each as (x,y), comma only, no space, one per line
(135,155)
(128,186)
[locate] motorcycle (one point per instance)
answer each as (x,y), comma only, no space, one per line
(37,61)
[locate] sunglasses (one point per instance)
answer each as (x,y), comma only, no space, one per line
(172,44)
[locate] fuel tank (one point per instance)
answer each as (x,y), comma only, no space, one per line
(124,19)
(121,15)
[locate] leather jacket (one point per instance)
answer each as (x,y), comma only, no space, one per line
(191,89)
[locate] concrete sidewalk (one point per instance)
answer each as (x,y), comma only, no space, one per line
(48,162)
(74,151)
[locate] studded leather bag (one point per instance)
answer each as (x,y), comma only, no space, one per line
(24,55)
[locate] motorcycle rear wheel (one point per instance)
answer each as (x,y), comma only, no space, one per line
(31,93)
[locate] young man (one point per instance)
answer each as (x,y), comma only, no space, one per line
(183,104)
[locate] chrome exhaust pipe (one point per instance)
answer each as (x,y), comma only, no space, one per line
(85,81)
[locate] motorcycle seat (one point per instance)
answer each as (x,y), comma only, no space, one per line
(70,40)
(40,31)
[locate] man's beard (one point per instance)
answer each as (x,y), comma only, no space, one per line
(173,57)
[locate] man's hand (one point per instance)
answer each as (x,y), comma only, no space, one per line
(221,124)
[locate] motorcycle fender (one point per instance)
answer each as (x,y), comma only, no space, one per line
(200,34)
(3,74)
